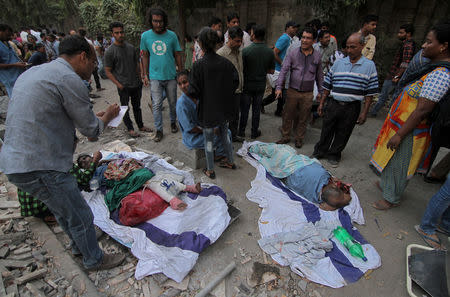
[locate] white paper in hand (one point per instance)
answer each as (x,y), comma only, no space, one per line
(118,119)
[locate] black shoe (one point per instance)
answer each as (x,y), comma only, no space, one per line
(237,139)
(263,110)
(278,113)
(241,134)
(173,128)
(94,96)
(258,133)
(158,136)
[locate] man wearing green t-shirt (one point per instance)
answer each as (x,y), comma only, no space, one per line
(161,50)
(258,60)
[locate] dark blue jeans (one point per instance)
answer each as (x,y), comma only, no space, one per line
(255,100)
(438,208)
(59,191)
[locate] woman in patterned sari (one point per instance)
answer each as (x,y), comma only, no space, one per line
(403,145)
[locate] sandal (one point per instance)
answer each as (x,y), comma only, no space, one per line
(225,164)
(383,205)
(210,174)
(434,243)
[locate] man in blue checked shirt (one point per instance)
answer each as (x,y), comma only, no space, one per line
(350,81)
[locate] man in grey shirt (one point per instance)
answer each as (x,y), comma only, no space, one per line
(122,68)
(48,103)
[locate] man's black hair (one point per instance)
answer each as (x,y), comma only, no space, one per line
(52,36)
(188,38)
(42,35)
(99,36)
(249,26)
(115,25)
(214,21)
(311,31)
(62,34)
(208,39)
(157,11)
(370,18)
(409,28)
(38,46)
(181,73)
(74,45)
(259,31)
(5,27)
(322,33)
(82,31)
(326,24)
(316,23)
(235,32)
(232,15)
(442,32)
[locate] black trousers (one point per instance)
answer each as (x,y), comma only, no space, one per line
(135,95)
(280,103)
(255,100)
(338,123)
(96,78)
(234,115)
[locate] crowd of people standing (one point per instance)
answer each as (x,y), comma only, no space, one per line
(229,73)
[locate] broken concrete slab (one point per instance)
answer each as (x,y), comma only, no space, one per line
(31,276)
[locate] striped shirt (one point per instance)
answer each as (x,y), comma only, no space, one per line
(350,82)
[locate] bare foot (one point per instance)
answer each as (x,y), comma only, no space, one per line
(146,129)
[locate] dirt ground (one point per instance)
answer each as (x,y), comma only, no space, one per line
(239,241)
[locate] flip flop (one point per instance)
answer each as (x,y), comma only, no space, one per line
(225,164)
(442,230)
(210,175)
(436,244)
(379,206)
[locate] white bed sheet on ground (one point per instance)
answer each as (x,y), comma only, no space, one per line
(177,237)
(282,214)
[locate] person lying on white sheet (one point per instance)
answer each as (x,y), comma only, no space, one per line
(317,185)
(168,187)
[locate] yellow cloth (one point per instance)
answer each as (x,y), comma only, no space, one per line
(402,108)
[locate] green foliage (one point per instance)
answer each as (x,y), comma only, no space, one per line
(35,13)
(97,15)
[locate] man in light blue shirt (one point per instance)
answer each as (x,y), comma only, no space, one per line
(49,102)
(10,65)
(161,49)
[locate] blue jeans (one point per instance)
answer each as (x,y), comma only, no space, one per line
(208,133)
(388,86)
(59,191)
(157,87)
(438,208)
